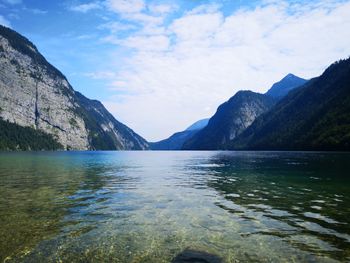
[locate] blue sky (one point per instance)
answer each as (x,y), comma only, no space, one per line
(158,66)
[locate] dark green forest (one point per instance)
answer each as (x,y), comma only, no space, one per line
(313,117)
(14,137)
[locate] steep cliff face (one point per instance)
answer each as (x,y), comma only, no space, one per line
(35,94)
(105,132)
(231,118)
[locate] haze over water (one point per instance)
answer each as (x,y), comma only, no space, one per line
(150,206)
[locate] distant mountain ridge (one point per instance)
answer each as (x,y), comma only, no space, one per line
(198,125)
(176,141)
(37,96)
(285,85)
(238,113)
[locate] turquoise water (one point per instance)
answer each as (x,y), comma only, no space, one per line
(150,206)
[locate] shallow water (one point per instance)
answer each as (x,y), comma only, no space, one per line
(150,206)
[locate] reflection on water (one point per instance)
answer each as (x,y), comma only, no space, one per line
(151,206)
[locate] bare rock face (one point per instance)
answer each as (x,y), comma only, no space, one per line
(31,97)
(230,120)
(35,94)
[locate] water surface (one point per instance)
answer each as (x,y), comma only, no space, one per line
(150,206)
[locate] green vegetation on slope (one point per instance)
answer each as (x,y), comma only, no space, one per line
(313,117)
(95,116)
(15,137)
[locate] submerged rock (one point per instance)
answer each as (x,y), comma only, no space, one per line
(192,256)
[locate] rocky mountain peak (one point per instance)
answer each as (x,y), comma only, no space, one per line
(285,85)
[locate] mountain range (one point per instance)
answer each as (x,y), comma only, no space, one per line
(295,114)
(40,110)
(176,141)
(316,116)
(230,120)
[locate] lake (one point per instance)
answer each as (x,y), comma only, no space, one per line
(151,206)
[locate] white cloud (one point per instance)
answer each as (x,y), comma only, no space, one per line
(204,9)
(4,21)
(144,31)
(196,27)
(126,6)
(162,8)
(146,43)
(181,72)
(116,27)
(149,17)
(142,18)
(84,8)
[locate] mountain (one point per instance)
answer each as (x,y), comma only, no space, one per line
(230,119)
(36,95)
(15,137)
(107,132)
(315,116)
(285,85)
(198,125)
(175,141)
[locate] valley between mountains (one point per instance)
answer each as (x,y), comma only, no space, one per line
(40,110)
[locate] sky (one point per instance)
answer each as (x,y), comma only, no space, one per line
(159,66)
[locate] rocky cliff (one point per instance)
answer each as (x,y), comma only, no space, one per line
(35,94)
(230,119)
